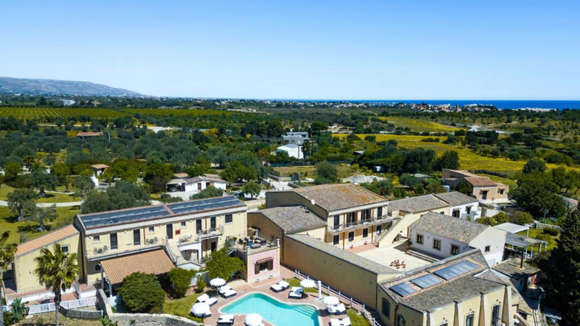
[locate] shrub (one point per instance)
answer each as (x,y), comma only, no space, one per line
(200,285)
(222,265)
(522,218)
(552,232)
(179,281)
(142,292)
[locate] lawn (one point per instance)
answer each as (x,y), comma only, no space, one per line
(539,234)
(356,319)
(8,222)
(310,171)
(48,319)
(51,197)
(419,125)
(296,282)
(181,307)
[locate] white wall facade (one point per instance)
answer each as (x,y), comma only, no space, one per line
(427,245)
(475,211)
(494,240)
(293,151)
(196,187)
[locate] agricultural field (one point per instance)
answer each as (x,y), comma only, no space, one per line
(177,112)
(65,216)
(418,125)
(309,171)
(468,159)
(52,113)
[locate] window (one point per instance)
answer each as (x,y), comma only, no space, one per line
(483,194)
(487,248)
(351,236)
(501,191)
(400,320)
(113,240)
(151,229)
(213,246)
(64,249)
(212,223)
(198,226)
(419,238)
(136,237)
(169,231)
(336,221)
(379,229)
(365,233)
(379,212)
(454,249)
(199,186)
(366,215)
(386,308)
(468,209)
(455,213)
(183,223)
(177,232)
(350,218)
(495,320)
(96,238)
(469,320)
(437,244)
(229,218)
(444,324)
(335,239)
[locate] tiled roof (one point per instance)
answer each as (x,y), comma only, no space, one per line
(150,262)
(344,255)
(481,181)
(511,268)
(449,227)
(332,197)
(100,166)
(89,133)
(293,218)
(46,240)
(455,198)
(417,204)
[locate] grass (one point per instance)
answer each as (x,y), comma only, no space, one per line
(181,307)
(48,319)
(356,319)
(51,197)
(8,222)
(540,235)
(419,125)
(310,171)
(51,113)
(296,282)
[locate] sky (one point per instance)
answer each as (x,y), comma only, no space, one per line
(300,49)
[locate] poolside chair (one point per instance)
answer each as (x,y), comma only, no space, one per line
(280,286)
(207,299)
(296,292)
(336,309)
(345,321)
(335,322)
(226,291)
(226,319)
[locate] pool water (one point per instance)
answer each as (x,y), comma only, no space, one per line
(274,311)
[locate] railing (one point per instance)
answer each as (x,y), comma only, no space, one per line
(356,224)
(72,304)
(368,315)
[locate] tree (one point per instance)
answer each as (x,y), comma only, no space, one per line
(157,175)
(12,170)
(382,187)
(534,165)
(409,180)
(522,218)
(200,285)
(179,281)
(449,160)
(121,195)
(142,292)
(83,184)
(43,216)
(223,266)
(252,188)
(208,192)
(7,251)
(465,188)
(57,270)
(61,171)
(537,194)
(42,180)
(19,199)
(235,171)
(563,271)
(326,173)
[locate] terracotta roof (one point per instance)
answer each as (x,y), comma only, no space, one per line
(481,182)
(100,166)
(151,262)
(449,227)
(465,173)
(333,197)
(417,204)
(46,240)
(180,175)
(293,219)
(455,198)
(89,133)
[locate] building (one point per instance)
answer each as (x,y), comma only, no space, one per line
(353,215)
(98,170)
(185,187)
(183,233)
(293,150)
(295,137)
(484,189)
(444,236)
(459,290)
(461,205)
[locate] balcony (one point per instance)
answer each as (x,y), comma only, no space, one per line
(360,224)
(210,233)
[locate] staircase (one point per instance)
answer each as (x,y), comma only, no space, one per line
(399,226)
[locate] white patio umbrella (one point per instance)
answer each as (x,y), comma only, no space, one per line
(253,320)
(308,283)
(217,282)
(200,309)
(330,301)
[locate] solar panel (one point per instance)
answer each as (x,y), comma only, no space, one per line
(124,216)
(426,281)
(455,270)
(403,289)
(205,204)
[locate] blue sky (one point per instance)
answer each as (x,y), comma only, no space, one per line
(301,49)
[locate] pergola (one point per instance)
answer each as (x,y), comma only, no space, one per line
(521,243)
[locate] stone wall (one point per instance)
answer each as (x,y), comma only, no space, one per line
(81,314)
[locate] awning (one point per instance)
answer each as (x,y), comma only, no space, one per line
(151,262)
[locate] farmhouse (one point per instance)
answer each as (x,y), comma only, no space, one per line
(484,189)
(184,187)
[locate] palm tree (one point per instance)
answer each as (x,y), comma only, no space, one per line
(57,270)
(7,251)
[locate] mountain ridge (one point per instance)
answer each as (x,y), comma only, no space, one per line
(55,87)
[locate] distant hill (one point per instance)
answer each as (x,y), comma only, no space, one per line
(60,87)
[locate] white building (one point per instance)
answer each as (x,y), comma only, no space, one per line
(292,150)
(443,236)
(184,188)
(461,205)
(295,137)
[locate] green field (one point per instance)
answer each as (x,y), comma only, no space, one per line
(44,113)
(418,125)
(181,307)
(178,112)
(65,216)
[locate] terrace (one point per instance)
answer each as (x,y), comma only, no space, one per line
(398,257)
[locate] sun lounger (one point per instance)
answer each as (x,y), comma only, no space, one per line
(226,291)
(226,319)
(345,321)
(335,322)
(280,286)
(207,299)
(296,292)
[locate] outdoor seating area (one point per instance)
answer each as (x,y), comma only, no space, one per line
(226,319)
(340,321)
(205,298)
(280,286)
(296,292)
(226,291)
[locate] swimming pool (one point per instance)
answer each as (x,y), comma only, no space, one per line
(274,311)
